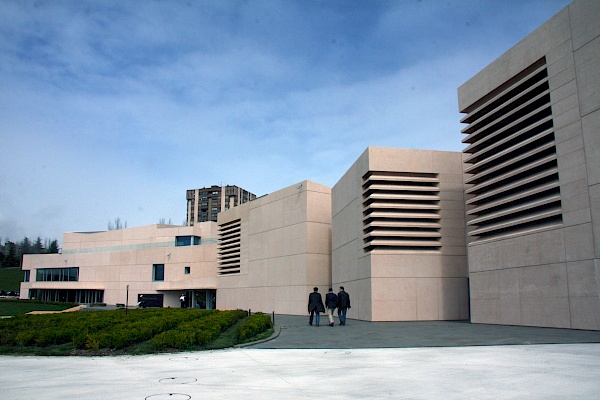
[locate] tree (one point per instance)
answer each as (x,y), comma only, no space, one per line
(25,246)
(38,246)
(117,225)
(10,257)
(53,247)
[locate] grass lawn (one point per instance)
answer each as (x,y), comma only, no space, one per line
(10,279)
(11,307)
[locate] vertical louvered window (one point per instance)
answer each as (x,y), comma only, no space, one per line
(511,164)
(229,248)
(401,212)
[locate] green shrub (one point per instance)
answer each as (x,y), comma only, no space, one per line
(252,326)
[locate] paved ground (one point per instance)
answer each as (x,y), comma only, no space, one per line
(295,333)
(360,360)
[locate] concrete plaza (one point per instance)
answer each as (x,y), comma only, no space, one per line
(361,360)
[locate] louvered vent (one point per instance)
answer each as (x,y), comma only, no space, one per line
(229,248)
(401,212)
(511,167)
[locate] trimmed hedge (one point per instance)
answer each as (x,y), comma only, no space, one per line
(253,325)
(197,332)
(164,328)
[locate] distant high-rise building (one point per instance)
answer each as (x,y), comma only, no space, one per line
(204,204)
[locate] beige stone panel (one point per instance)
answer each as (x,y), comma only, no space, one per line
(565,105)
(449,165)
(483,257)
(364,268)
(401,160)
(151,256)
(319,239)
(552,246)
(560,77)
(394,310)
(591,136)
(518,251)
(543,281)
(451,195)
(560,62)
(451,297)
(509,297)
(394,289)
(563,92)
(595,209)
(584,312)
(257,247)
(318,272)
(295,207)
(570,147)
(427,299)
(458,205)
(551,34)
(453,213)
(572,159)
(579,243)
(568,132)
(454,232)
(278,272)
(547,312)
(585,25)
(587,62)
(299,299)
(274,242)
(318,208)
(297,269)
(258,273)
(583,279)
(485,311)
(566,118)
(559,51)
(347,188)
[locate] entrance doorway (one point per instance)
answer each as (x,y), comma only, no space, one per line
(204,299)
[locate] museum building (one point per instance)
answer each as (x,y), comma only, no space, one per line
(506,232)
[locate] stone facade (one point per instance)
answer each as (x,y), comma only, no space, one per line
(398,236)
(533,177)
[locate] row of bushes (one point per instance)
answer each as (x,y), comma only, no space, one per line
(161,328)
(197,332)
(252,326)
(105,329)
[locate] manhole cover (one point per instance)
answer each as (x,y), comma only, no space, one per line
(179,381)
(169,396)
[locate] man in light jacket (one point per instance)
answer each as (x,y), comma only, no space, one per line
(331,301)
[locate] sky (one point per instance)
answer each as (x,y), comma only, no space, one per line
(113,109)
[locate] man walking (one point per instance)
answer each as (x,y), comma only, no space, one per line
(315,306)
(343,305)
(331,301)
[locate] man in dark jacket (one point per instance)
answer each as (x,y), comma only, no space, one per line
(331,301)
(343,305)
(315,306)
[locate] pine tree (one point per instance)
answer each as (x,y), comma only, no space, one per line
(38,246)
(53,247)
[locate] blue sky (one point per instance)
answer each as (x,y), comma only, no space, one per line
(114,108)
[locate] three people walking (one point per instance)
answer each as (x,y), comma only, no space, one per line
(341,301)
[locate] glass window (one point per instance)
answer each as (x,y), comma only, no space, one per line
(196,240)
(186,270)
(27,275)
(158,272)
(183,241)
